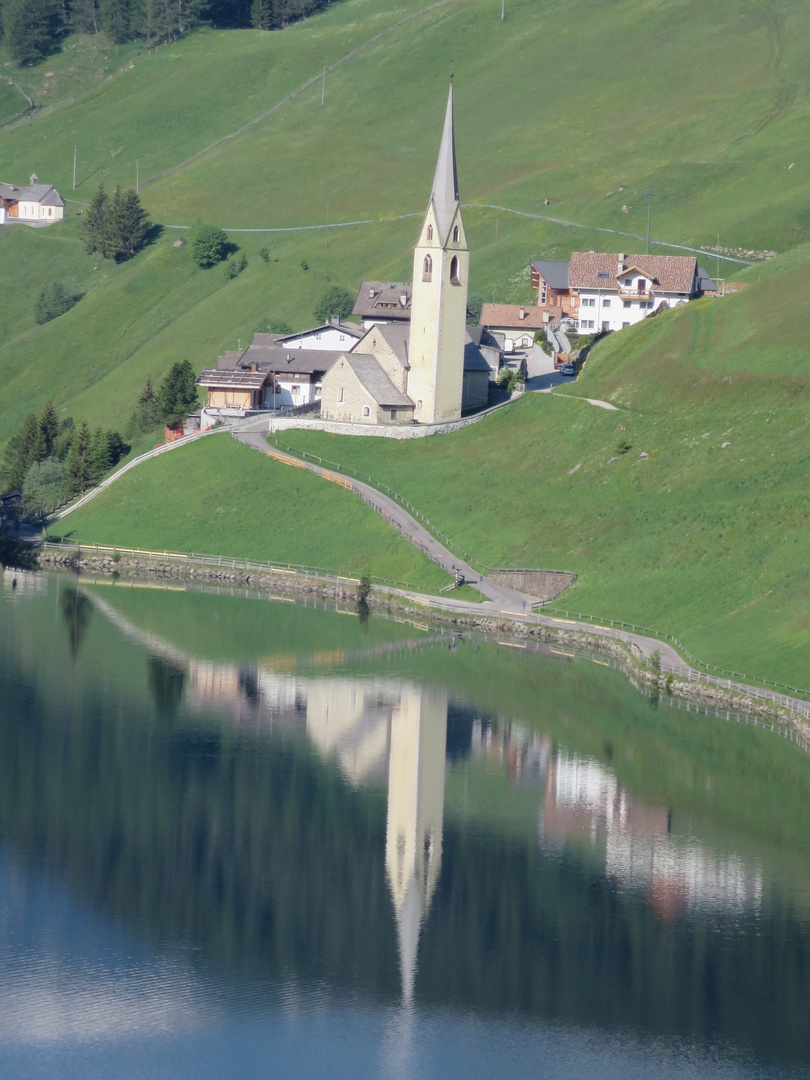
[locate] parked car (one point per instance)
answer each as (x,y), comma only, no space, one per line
(568,369)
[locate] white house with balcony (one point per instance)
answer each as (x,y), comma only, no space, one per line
(609,292)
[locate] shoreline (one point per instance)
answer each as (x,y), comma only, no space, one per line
(650,674)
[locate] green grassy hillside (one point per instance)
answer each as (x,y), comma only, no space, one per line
(711,126)
(706,538)
(217,497)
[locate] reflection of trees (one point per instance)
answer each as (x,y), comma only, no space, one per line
(260,852)
(166,682)
(76,611)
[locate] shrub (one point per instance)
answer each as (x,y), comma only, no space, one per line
(208,245)
(264,255)
(235,266)
(54,300)
(336,302)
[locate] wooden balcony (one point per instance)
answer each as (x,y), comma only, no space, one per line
(635,294)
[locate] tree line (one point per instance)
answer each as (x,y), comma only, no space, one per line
(51,460)
(33,29)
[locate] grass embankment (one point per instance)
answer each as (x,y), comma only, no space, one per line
(707,538)
(216,497)
(716,162)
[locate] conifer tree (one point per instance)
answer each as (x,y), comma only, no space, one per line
(49,426)
(130,224)
(94,222)
(145,416)
(100,456)
(80,461)
(178,393)
(24,450)
(31,29)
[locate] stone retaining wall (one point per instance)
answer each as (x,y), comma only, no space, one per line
(406,431)
(545,584)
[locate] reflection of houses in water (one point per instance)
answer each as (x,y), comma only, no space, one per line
(525,753)
(584,799)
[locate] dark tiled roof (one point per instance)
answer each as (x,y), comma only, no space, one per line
(705,283)
(473,360)
(275,357)
(381,300)
(669,273)
(554,274)
(395,335)
(375,381)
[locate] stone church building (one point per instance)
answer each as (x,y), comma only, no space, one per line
(425,368)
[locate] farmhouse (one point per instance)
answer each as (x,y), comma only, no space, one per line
(37,204)
(603,291)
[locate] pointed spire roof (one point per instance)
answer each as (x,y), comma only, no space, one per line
(445,182)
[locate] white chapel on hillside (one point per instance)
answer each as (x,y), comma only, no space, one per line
(422,369)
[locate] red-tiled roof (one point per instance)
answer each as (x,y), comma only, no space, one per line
(508,316)
(669,273)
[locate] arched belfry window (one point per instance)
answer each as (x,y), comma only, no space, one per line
(455,234)
(427,269)
(454,280)
(430,232)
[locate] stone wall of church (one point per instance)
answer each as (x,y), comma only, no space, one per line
(343,396)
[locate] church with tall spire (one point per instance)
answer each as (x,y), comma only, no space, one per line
(441,263)
(418,361)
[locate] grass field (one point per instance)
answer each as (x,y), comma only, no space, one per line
(217,497)
(708,537)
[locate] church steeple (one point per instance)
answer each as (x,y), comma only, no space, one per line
(445,181)
(439,305)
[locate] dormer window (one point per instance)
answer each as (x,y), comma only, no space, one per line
(454,279)
(429,236)
(455,234)
(427,267)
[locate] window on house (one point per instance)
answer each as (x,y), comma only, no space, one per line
(543,293)
(340,393)
(427,268)
(430,232)
(605,327)
(642,285)
(366,411)
(454,271)
(625,324)
(455,234)
(627,304)
(606,302)
(393,414)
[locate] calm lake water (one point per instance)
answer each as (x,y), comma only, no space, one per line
(246,837)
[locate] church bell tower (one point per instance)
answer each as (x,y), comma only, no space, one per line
(441,261)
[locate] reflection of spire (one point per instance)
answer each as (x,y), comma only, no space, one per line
(413,846)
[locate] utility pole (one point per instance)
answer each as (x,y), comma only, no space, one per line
(717,275)
(650,196)
(74,167)
(323,87)
(137,175)
(503,10)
